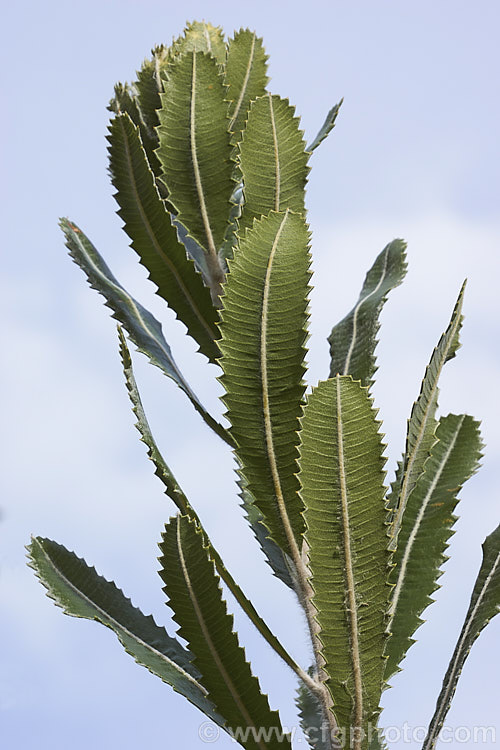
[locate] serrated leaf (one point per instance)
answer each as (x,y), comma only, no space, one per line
(200,36)
(421,433)
(277,560)
(272,160)
(312,722)
(246,77)
(377,740)
(162,470)
(194,250)
(154,238)
(81,592)
(262,344)
(194,595)
(126,101)
(195,149)
(226,251)
(142,327)
(341,473)
(149,85)
(326,128)
(426,527)
(175,493)
(484,605)
(353,340)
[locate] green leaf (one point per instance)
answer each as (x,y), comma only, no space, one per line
(353,340)
(421,433)
(426,528)
(154,238)
(262,344)
(162,470)
(326,128)
(144,330)
(377,740)
(149,85)
(246,77)
(277,560)
(194,594)
(484,605)
(195,149)
(175,493)
(316,730)
(194,250)
(126,101)
(226,251)
(200,36)
(312,722)
(272,160)
(341,473)
(81,592)
(147,89)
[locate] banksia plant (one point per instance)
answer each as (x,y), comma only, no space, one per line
(210,171)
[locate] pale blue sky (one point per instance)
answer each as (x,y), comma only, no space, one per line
(415,154)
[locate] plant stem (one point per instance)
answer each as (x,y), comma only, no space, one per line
(318,686)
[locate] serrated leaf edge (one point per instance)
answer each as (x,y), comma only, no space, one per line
(246,78)
(413,534)
(460,654)
(150,231)
(119,626)
(451,333)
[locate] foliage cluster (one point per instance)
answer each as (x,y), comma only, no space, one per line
(210,170)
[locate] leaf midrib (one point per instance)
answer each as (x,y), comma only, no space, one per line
(118,625)
(128,300)
(268,426)
(349,574)
(277,187)
(244,85)
(208,640)
(456,659)
(174,491)
(206,34)
(356,311)
(196,167)
(403,495)
(154,241)
(411,539)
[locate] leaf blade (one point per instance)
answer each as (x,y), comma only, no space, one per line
(154,237)
(275,557)
(341,474)
(127,100)
(312,720)
(175,493)
(246,77)
(148,89)
(262,342)
(195,149)
(353,340)
(422,424)
(142,327)
(194,594)
(426,527)
(326,128)
(81,592)
(484,605)
(272,160)
(200,36)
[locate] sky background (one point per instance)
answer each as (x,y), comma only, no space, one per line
(415,154)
